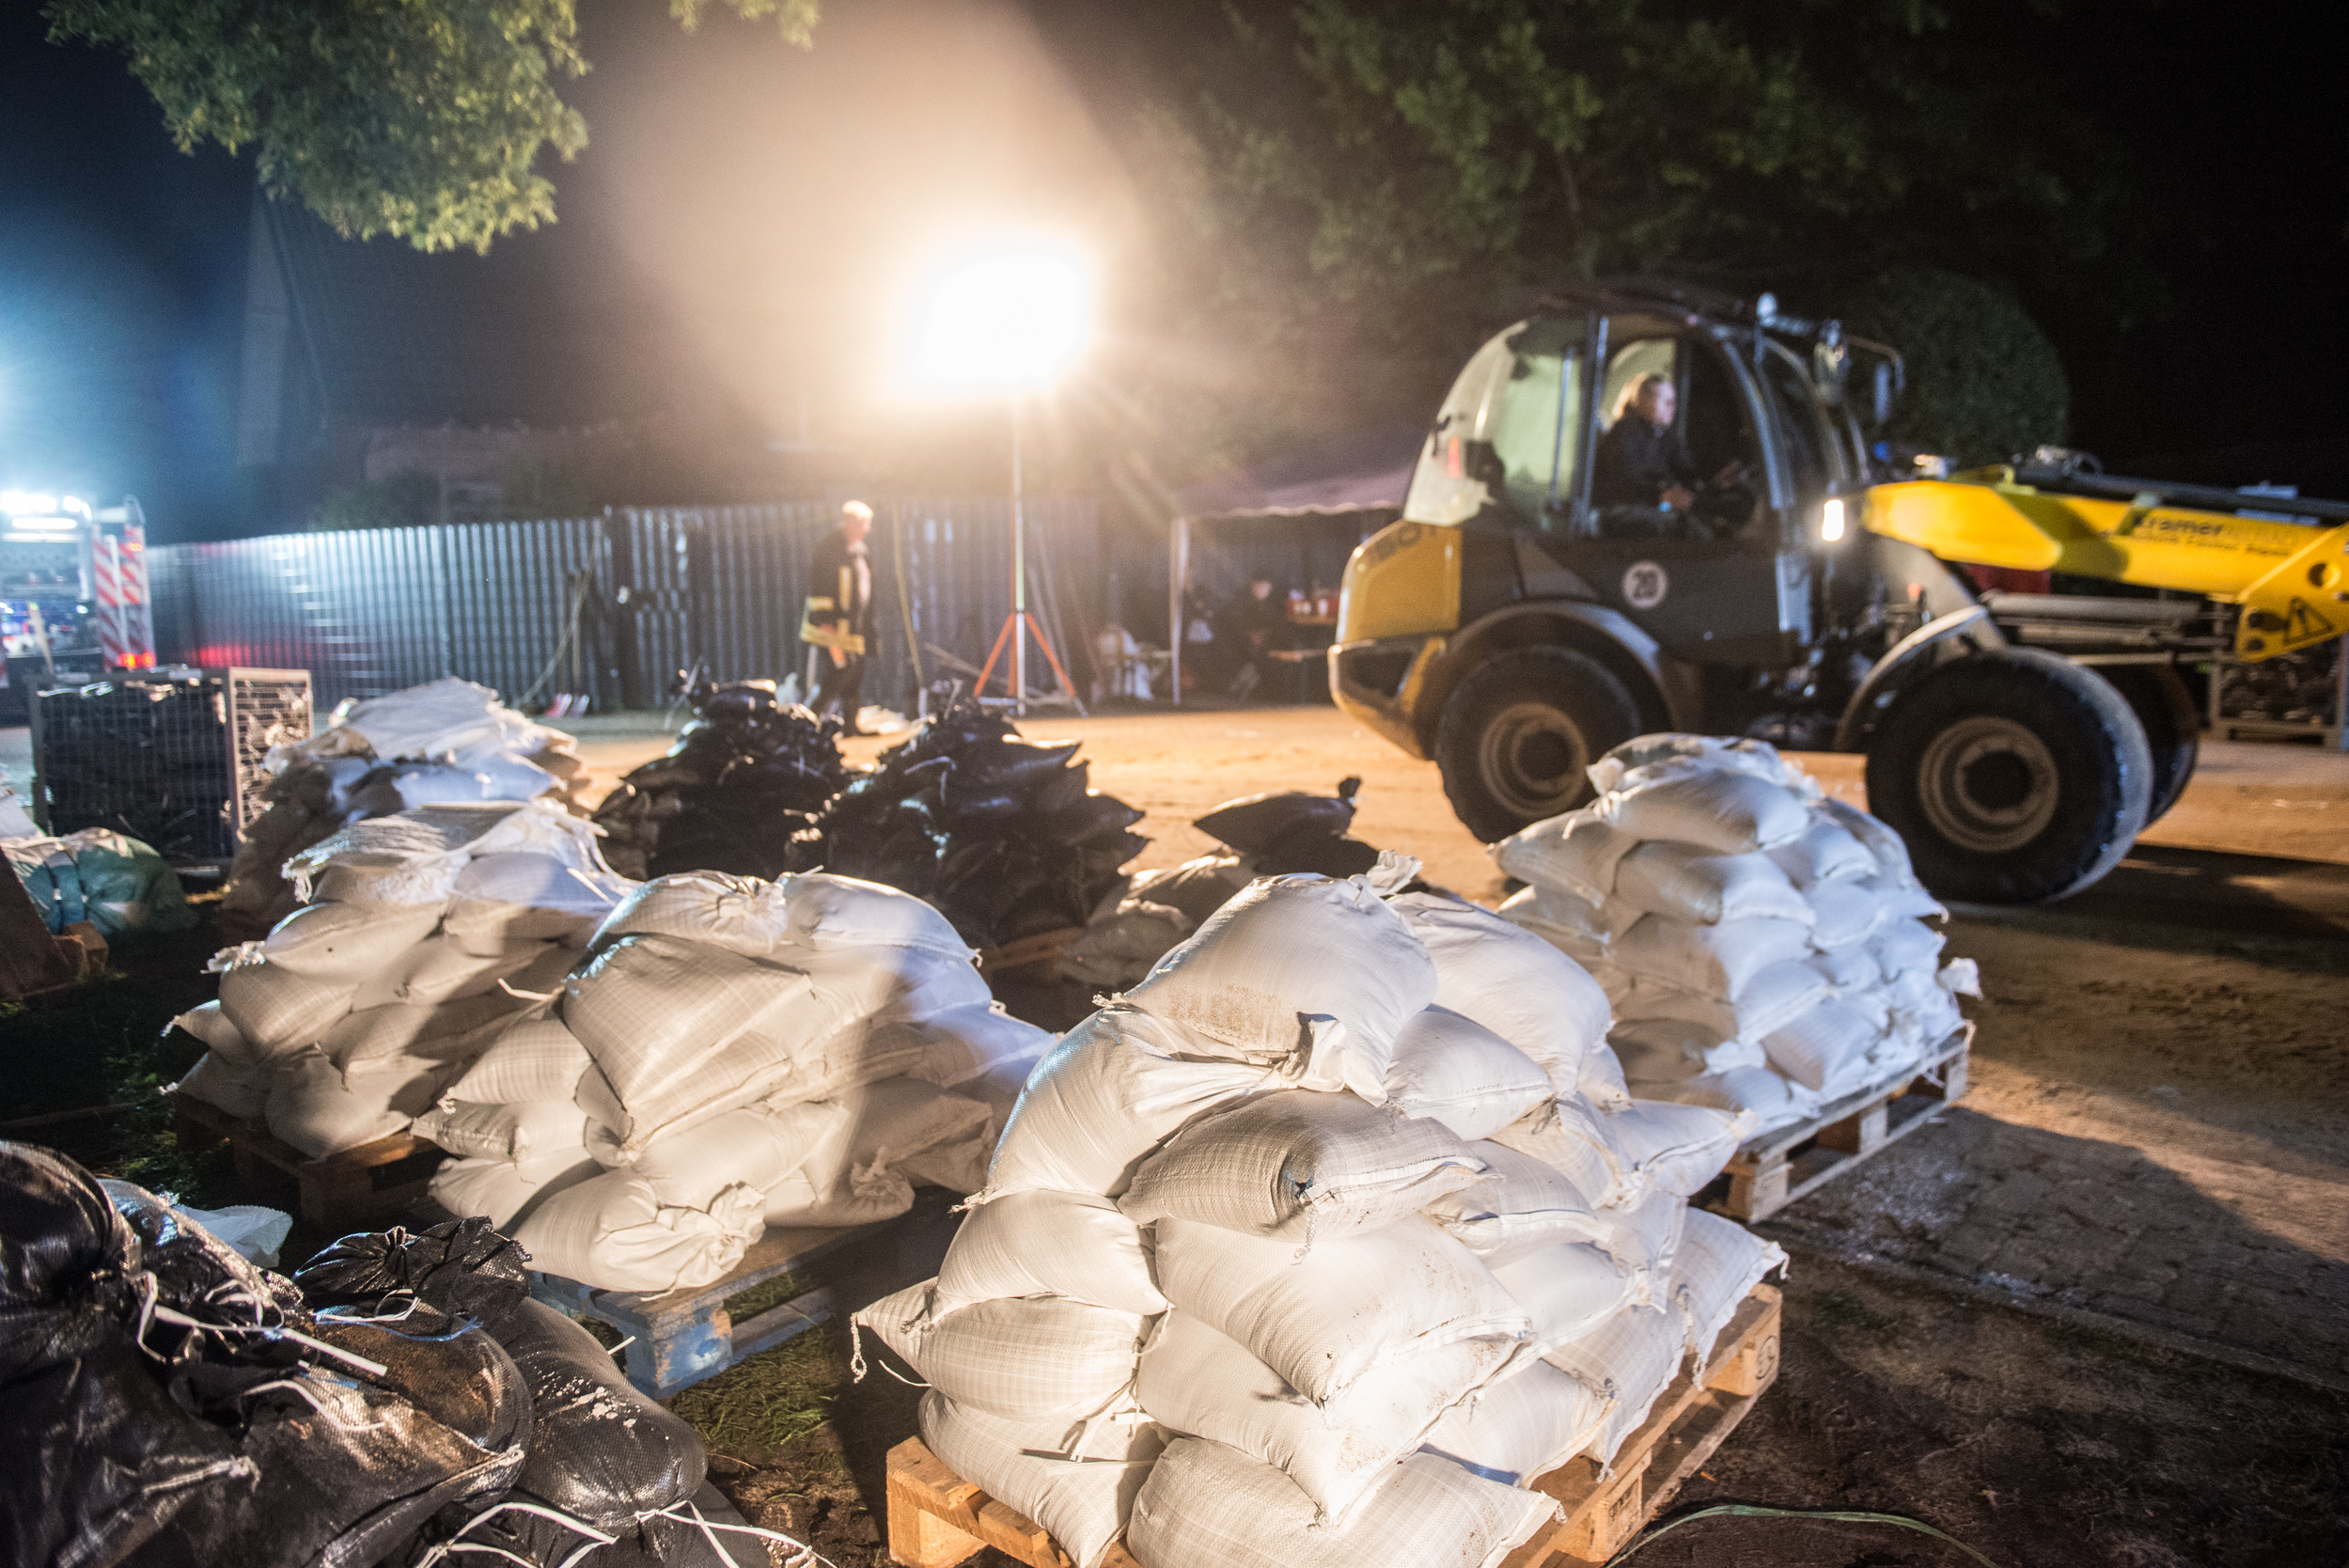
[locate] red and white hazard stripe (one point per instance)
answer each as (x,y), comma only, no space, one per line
(138,620)
(108,573)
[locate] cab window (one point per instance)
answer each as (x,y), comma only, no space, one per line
(1808,439)
(1504,443)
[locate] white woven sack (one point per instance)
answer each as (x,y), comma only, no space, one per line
(613,1232)
(1198,1381)
(1301,1164)
(211,1026)
(685,1030)
(456,1032)
(1891,854)
(383,882)
(1906,898)
(534,1058)
(1656,755)
(1448,1069)
(1825,850)
(347,944)
(1028,1358)
(315,1107)
(1826,1050)
(1116,1086)
(1082,1497)
(1286,950)
(755,1146)
(504,899)
(1209,1506)
(1511,979)
(242,1091)
(1631,1357)
(1777,994)
(1523,1426)
(1644,1237)
(1575,854)
(968,1042)
(1720,1261)
(1716,961)
(1002,1082)
(1848,969)
(1575,1139)
(506,1191)
(1673,1050)
(1600,1080)
(1845,914)
(1690,884)
(526,1130)
(1725,810)
(1518,1207)
(895,1134)
(1582,937)
(1771,1100)
(1677,1147)
(438,970)
(888,982)
(1346,1308)
(1065,1244)
(1118,947)
(273,1010)
(1904,947)
(1566,1290)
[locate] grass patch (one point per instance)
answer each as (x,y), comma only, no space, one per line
(772,1398)
(769,1292)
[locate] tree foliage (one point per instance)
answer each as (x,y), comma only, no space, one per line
(1983,381)
(424,120)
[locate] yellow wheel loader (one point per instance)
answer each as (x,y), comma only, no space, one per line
(1529,610)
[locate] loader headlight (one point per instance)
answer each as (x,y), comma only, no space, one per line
(1831,520)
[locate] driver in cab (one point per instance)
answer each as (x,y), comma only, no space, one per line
(1643,465)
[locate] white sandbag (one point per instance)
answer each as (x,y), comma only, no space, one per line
(1847,969)
(1565,1290)
(315,1108)
(453,1031)
(1202,1383)
(1289,949)
(536,1059)
(1452,1070)
(1118,947)
(896,1132)
(1643,1239)
(1347,1308)
(501,900)
(1826,1050)
(1573,1139)
(1725,810)
(1209,1506)
(526,1130)
(1523,1426)
(1845,914)
(1064,1243)
(1825,850)
(1631,1357)
(1509,979)
(1766,1096)
(1114,1089)
(347,944)
(1720,1261)
(1670,1050)
(767,919)
(1690,884)
(1656,755)
(1082,1497)
(1518,1207)
(612,1232)
(682,1028)
(276,1011)
(437,969)
(242,1091)
(1676,1148)
(1891,854)
(1716,961)
(1581,936)
(755,1146)
(209,1024)
(1577,853)
(252,1232)
(968,1042)
(881,982)
(1903,946)
(1025,1358)
(1304,1165)
(1005,1079)
(1600,1080)
(506,1191)
(1905,901)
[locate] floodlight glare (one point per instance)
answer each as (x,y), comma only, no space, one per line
(1005,320)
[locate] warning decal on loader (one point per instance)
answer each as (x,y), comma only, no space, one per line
(2305,623)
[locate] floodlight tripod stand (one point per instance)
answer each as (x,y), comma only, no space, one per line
(1018,623)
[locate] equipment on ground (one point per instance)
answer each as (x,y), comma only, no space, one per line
(1518,623)
(73,595)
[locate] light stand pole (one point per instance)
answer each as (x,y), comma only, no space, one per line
(1019,574)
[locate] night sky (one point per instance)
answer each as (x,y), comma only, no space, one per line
(745,215)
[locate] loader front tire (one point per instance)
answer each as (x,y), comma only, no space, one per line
(2173,727)
(1520,732)
(2015,776)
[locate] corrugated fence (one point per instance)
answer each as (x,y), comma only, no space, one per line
(652,591)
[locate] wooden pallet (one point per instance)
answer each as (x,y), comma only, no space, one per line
(1779,1167)
(35,965)
(358,1188)
(1040,951)
(937,1519)
(683,1336)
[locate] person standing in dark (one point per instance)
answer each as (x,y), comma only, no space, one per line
(1255,624)
(839,619)
(1642,460)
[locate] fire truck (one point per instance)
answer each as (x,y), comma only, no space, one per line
(74,593)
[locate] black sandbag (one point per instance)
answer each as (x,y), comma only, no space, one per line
(1253,823)
(1327,853)
(460,1266)
(1197,888)
(1012,762)
(60,1228)
(451,1369)
(188,1262)
(662,1541)
(1090,818)
(598,1450)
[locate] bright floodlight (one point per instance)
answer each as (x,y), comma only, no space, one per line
(1005,320)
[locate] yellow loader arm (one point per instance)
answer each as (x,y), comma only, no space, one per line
(2291,581)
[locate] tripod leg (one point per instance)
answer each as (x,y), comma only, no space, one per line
(1003,638)
(1054,659)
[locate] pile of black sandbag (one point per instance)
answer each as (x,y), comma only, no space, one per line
(1004,837)
(167,1405)
(746,774)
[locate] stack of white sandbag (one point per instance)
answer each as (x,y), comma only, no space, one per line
(445,742)
(1762,943)
(732,1054)
(1319,1243)
(419,937)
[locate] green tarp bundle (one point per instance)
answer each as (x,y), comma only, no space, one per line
(109,878)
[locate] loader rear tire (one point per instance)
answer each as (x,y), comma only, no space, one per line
(2015,776)
(1519,735)
(2173,727)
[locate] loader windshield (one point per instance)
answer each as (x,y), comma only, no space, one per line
(1503,447)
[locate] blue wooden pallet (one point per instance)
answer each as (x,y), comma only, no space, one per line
(681,1337)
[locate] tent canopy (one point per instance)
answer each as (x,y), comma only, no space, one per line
(1366,471)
